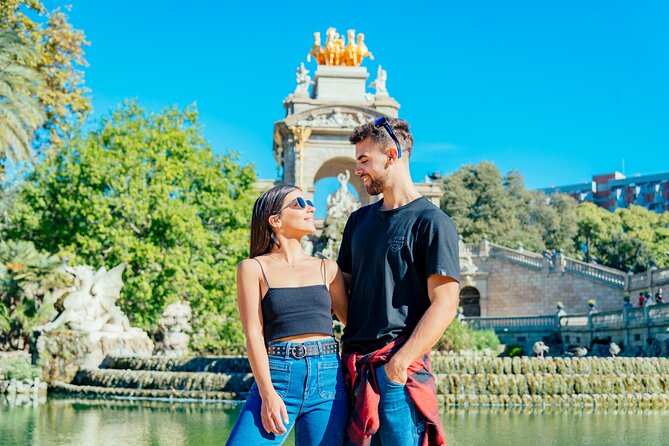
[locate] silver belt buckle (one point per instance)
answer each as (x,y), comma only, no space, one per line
(298,348)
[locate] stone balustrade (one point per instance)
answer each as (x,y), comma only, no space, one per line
(652,278)
(632,327)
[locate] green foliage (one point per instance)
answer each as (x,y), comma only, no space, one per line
(483,203)
(30,283)
(20,111)
(630,239)
(58,59)
(460,336)
(146,189)
(18,368)
(514,350)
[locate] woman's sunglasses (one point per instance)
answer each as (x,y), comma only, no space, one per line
(301,204)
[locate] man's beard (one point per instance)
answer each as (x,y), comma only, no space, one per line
(375,186)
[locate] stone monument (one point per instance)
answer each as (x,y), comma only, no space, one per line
(311,141)
(174,328)
(90,308)
(341,204)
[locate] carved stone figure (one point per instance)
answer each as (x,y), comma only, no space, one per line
(174,328)
(336,118)
(90,307)
(467,267)
(303,82)
(379,83)
(341,204)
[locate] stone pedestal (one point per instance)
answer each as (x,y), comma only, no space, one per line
(135,343)
(340,84)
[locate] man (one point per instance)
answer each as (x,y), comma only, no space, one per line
(400,259)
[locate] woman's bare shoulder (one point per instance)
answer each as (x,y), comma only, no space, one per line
(249,267)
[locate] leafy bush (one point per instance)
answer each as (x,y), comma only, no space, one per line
(30,283)
(514,350)
(18,368)
(459,336)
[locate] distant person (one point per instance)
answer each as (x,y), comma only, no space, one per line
(400,256)
(659,298)
(642,299)
(285,299)
(560,309)
(627,303)
(648,301)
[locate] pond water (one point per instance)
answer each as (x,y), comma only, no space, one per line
(65,422)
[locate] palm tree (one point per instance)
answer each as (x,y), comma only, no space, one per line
(21,113)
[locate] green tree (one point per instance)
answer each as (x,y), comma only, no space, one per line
(58,59)
(482,202)
(147,190)
(20,110)
(474,197)
(630,239)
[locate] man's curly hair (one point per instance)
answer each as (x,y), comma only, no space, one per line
(381,137)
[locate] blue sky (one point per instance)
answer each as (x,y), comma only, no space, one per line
(558,90)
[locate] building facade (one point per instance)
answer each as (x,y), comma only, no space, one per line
(613,190)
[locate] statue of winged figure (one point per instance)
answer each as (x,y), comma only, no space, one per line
(91,305)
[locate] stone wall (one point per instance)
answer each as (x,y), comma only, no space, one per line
(515,290)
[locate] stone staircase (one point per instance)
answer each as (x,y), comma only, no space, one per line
(461,381)
(202,379)
(560,263)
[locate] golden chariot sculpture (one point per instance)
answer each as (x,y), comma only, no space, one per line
(337,52)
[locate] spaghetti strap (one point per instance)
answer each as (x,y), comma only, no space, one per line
(324,272)
(263,272)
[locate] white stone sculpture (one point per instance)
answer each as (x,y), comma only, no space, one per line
(341,203)
(379,83)
(303,82)
(90,307)
(174,328)
(467,267)
(335,118)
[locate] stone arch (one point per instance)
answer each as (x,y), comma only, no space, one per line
(335,166)
(470,301)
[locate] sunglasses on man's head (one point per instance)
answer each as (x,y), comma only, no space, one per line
(383,122)
(298,203)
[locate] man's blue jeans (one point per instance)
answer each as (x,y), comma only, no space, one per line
(400,422)
(315,396)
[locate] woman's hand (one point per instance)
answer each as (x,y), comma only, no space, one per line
(274,414)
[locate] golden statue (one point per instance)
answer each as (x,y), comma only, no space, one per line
(362,48)
(351,50)
(336,52)
(317,50)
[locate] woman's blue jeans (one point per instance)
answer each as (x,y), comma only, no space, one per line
(315,396)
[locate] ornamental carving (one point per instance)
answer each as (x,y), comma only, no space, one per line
(336,118)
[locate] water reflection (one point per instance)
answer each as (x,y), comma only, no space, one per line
(66,422)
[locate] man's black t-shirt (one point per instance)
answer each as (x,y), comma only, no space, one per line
(390,255)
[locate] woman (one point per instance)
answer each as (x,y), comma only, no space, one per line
(285,300)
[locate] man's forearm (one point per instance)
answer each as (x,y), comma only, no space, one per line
(430,328)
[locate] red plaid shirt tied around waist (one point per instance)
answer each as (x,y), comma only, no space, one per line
(361,383)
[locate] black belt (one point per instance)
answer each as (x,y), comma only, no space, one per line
(299,351)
